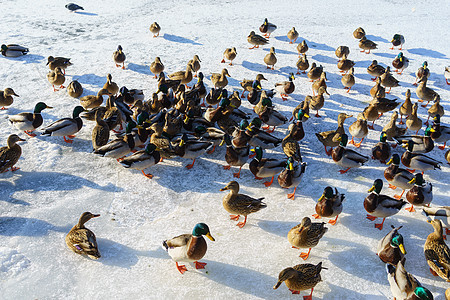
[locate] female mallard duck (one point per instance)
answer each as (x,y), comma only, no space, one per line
(91,101)
(441,134)
(265,167)
(447,75)
(378,90)
(359,130)
(348,80)
(359,33)
(249,84)
(437,252)
(315,72)
(260,137)
(413,122)
(330,138)
(421,144)
(56,77)
(272,117)
(66,126)
(391,249)
(329,205)
(219,80)
(100,132)
(370,113)
(421,194)
(119,57)
(112,116)
(320,83)
(291,147)
(6,98)
(270,59)
(157,67)
(317,102)
(110,85)
(398,177)
(344,65)
(61,62)
(406,108)
(302,47)
(184,76)
(400,62)
(155,29)
(425,93)
(285,87)
(435,109)
(382,150)
(229,54)
(422,72)
(441,213)
(404,285)
(195,64)
(82,240)
(142,159)
(189,148)
(366,44)
(341,51)
(384,105)
(381,206)
(28,122)
(387,80)
(300,277)
(347,158)
(74,89)
(418,161)
(189,247)
(291,176)
(235,157)
(240,204)
(397,40)
(10,154)
(267,28)
(306,235)
(119,147)
(13,50)
(375,70)
(292,35)
(302,64)
(256,40)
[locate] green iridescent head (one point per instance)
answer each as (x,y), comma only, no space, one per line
(142,117)
(40,106)
(259,153)
(243,124)
(397,242)
(150,148)
(200,129)
(328,192)
(202,229)
(301,113)
(383,137)
(343,140)
(377,186)
(130,126)
(256,122)
(266,102)
(423,293)
(77,111)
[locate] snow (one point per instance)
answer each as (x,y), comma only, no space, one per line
(58,181)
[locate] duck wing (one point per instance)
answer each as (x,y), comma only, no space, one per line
(63,125)
(178,241)
(22,117)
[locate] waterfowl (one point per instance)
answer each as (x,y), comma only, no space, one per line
(391,249)
(435,109)
(269,115)
(302,47)
(330,138)
(382,150)
(359,33)
(189,247)
(235,157)
(348,80)
(66,126)
(302,64)
(422,72)
(440,133)
(397,40)
(73,7)
(219,80)
(317,102)
(425,93)
(291,147)
(260,137)
(112,115)
(292,175)
(421,144)
(155,29)
(387,80)
(300,277)
(341,51)
(256,40)
(199,88)
(378,90)
(100,132)
(10,154)
(370,113)
(28,122)
(398,177)
(344,65)
(191,149)
(329,205)
(400,62)
(110,85)
(418,161)
(265,167)
(285,87)
(404,285)
(359,130)
(347,158)
(142,159)
(184,76)
(61,62)
(119,57)
(392,130)
(119,147)
(292,35)
(375,69)
(74,89)
(267,28)
(270,59)
(249,84)
(447,75)
(315,72)
(209,134)
(6,98)
(56,77)
(304,105)
(229,54)
(92,101)
(195,64)
(384,105)
(447,156)
(156,67)
(413,122)
(406,108)
(421,194)
(306,235)
(82,240)
(366,44)
(437,252)
(441,213)
(13,50)
(296,127)
(320,83)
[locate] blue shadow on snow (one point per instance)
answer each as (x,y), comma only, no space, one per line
(179,39)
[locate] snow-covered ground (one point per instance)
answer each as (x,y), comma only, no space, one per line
(58,181)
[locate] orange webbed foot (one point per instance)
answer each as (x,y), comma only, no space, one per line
(234,217)
(371,218)
(316,216)
(226,167)
(199,265)
(410,209)
(181,268)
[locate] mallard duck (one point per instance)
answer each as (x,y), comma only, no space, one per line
(191,149)
(425,93)
(381,206)
(10,154)
(344,65)
(110,85)
(304,105)
(359,33)
(329,205)
(270,59)
(317,102)
(366,44)
(189,247)
(61,62)
(28,122)
(397,40)
(398,177)
(392,130)
(391,249)
(119,147)
(348,80)
(330,138)
(435,109)
(142,159)
(209,134)
(404,285)
(73,7)
(400,62)
(359,130)
(292,35)
(300,277)
(265,167)
(270,116)
(306,235)
(320,83)
(422,72)
(384,105)
(112,116)
(229,54)
(82,240)
(249,85)
(236,157)
(341,51)
(441,213)
(56,77)
(6,98)
(406,108)
(119,57)
(302,64)
(375,69)
(156,67)
(347,158)
(440,133)
(240,204)
(382,150)
(267,28)
(315,72)
(219,80)
(74,89)
(421,144)
(66,126)
(256,40)
(260,137)
(13,50)
(302,47)
(378,90)
(285,87)
(413,122)
(184,76)
(155,29)
(291,147)
(92,101)
(100,132)
(292,175)
(387,80)
(447,75)
(437,252)
(215,114)
(241,135)
(418,161)
(195,64)
(370,113)
(447,156)
(421,194)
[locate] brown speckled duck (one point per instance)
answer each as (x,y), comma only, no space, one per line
(302,47)
(229,54)
(219,80)
(256,40)
(341,51)
(378,90)
(366,44)
(359,33)
(406,108)
(10,154)
(270,59)
(306,235)
(302,64)
(387,80)
(315,72)
(56,77)
(82,240)
(119,57)
(6,98)
(292,35)
(300,277)
(157,67)
(375,69)
(155,29)
(330,138)
(344,65)
(437,252)
(74,89)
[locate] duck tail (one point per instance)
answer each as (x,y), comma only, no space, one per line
(165,245)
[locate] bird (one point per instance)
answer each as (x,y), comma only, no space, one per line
(440,133)
(100,132)
(344,65)
(441,213)
(418,161)
(247,84)
(302,64)
(398,177)
(366,44)
(306,235)
(317,102)
(348,80)
(314,72)
(421,144)
(155,29)
(359,33)
(292,35)
(421,193)
(329,205)
(219,80)
(359,130)
(142,159)
(387,80)
(184,76)
(28,122)
(382,150)
(6,98)
(195,64)
(423,71)
(267,28)
(270,59)
(111,86)
(347,158)
(330,138)
(437,252)
(404,285)
(375,70)
(322,82)
(435,109)
(341,51)
(120,146)
(446,74)
(425,93)
(400,62)
(397,40)
(66,126)
(13,50)
(191,148)
(119,57)
(234,156)
(156,67)
(74,89)
(82,240)
(265,167)
(391,249)
(73,7)
(61,62)
(10,154)
(413,122)
(292,175)
(256,40)
(291,146)
(406,108)
(189,247)
(56,77)
(91,101)
(302,47)
(285,87)
(229,54)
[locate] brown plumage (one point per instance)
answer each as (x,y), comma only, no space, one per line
(184,76)
(155,29)
(56,77)
(119,57)
(437,252)
(92,101)
(61,62)
(110,85)
(270,59)
(329,204)
(330,138)
(300,277)
(366,44)
(378,90)
(302,47)
(229,54)
(256,40)
(100,132)
(6,98)
(74,89)
(306,235)
(344,65)
(375,69)
(81,240)
(359,33)
(315,72)
(157,66)
(10,154)
(341,51)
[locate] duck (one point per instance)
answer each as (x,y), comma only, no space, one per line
(381,206)
(300,277)
(239,204)
(6,98)
(413,122)
(382,150)
(270,59)
(348,80)
(441,213)
(447,75)
(110,85)
(302,47)
(260,137)
(156,67)
(112,115)
(440,133)
(344,65)
(384,105)
(267,28)
(319,83)
(435,109)
(56,77)
(184,76)
(256,40)
(375,69)
(100,132)
(317,102)
(229,54)
(366,44)
(423,71)
(10,154)
(418,161)
(119,57)
(387,80)
(195,64)
(119,147)
(359,33)
(13,50)
(291,147)
(235,157)
(329,205)
(219,80)
(249,84)
(341,51)
(155,29)
(424,93)
(92,101)
(391,249)
(74,89)
(404,285)
(28,122)
(421,144)
(265,167)
(189,247)
(304,105)
(315,72)
(400,62)
(292,175)
(398,177)
(378,90)
(296,127)
(66,126)
(191,149)
(437,252)
(200,88)
(330,138)
(370,113)
(359,130)
(397,40)
(347,158)
(270,116)
(61,62)
(209,134)
(302,64)
(421,194)
(215,114)
(406,108)
(392,130)
(241,135)
(142,159)
(306,235)
(285,87)
(81,240)
(292,35)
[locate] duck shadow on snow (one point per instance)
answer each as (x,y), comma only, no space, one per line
(85,13)
(320,46)
(376,38)
(179,39)
(18,226)
(339,292)
(280,51)
(383,54)
(91,79)
(427,52)
(142,69)
(28,58)
(324,59)
(258,67)
(280,228)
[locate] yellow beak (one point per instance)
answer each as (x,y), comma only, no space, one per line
(181,143)
(221,143)
(321,198)
(371,189)
(412,180)
(210,236)
(306,115)
(402,248)
(389,162)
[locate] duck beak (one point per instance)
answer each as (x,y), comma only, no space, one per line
(321,198)
(371,189)
(277,285)
(306,115)
(181,143)
(16,95)
(49,107)
(210,236)
(412,180)
(95,216)
(402,248)
(223,189)
(221,143)
(21,140)
(389,162)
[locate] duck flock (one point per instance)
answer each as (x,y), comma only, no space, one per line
(194,113)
